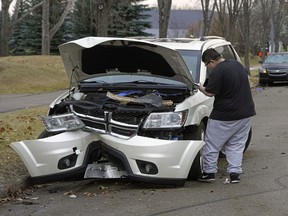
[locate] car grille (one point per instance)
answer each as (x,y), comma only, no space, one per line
(118,123)
(280,72)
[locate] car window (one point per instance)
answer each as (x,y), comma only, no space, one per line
(227,53)
(276,59)
(192,60)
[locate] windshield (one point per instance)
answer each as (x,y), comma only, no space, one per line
(277,59)
(193,60)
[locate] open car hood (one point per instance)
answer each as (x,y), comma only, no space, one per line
(97,56)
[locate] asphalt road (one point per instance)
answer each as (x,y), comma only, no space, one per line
(263,189)
(12,102)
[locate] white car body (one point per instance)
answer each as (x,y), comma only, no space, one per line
(144,155)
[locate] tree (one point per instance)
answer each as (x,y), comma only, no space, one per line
(82,19)
(228,12)
(25,37)
(128,19)
(63,35)
(90,17)
(5,28)
(47,33)
(207,15)
(100,12)
(8,24)
(164,7)
(245,30)
(278,19)
(45,28)
(33,34)
(265,7)
(125,18)
(234,7)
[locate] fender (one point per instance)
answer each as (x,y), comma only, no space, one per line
(199,106)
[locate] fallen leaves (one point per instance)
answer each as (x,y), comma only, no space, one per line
(4,200)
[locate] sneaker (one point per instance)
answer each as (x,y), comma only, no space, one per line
(207,177)
(234,178)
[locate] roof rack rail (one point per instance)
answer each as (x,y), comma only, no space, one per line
(155,39)
(203,38)
(181,40)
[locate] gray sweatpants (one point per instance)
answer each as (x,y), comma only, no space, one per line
(229,135)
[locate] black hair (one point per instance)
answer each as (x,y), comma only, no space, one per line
(210,54)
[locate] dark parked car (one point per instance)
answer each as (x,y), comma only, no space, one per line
(274,68)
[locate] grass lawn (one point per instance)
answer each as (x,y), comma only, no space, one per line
(32,74)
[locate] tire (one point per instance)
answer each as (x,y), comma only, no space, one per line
(197,133)
(262,83)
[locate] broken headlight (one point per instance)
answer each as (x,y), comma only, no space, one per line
(165,120)
(64,122)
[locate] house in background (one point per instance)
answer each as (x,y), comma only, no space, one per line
(179,22)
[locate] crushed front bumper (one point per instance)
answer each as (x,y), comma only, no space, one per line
(67,152)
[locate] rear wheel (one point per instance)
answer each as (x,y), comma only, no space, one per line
(196,133)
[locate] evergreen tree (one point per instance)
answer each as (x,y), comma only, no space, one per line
(65,32)
(64,35)
(126,18)
(81,19)
(26,36)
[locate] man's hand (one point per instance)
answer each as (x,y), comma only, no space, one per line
(203,90)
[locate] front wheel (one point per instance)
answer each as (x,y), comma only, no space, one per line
(197,133)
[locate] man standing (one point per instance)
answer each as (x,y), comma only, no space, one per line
(230,120)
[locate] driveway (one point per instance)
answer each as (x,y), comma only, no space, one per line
(12,102)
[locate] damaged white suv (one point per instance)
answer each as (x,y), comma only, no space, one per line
(133,111)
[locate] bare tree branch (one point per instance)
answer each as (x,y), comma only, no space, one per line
(62,18)
(16,21)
